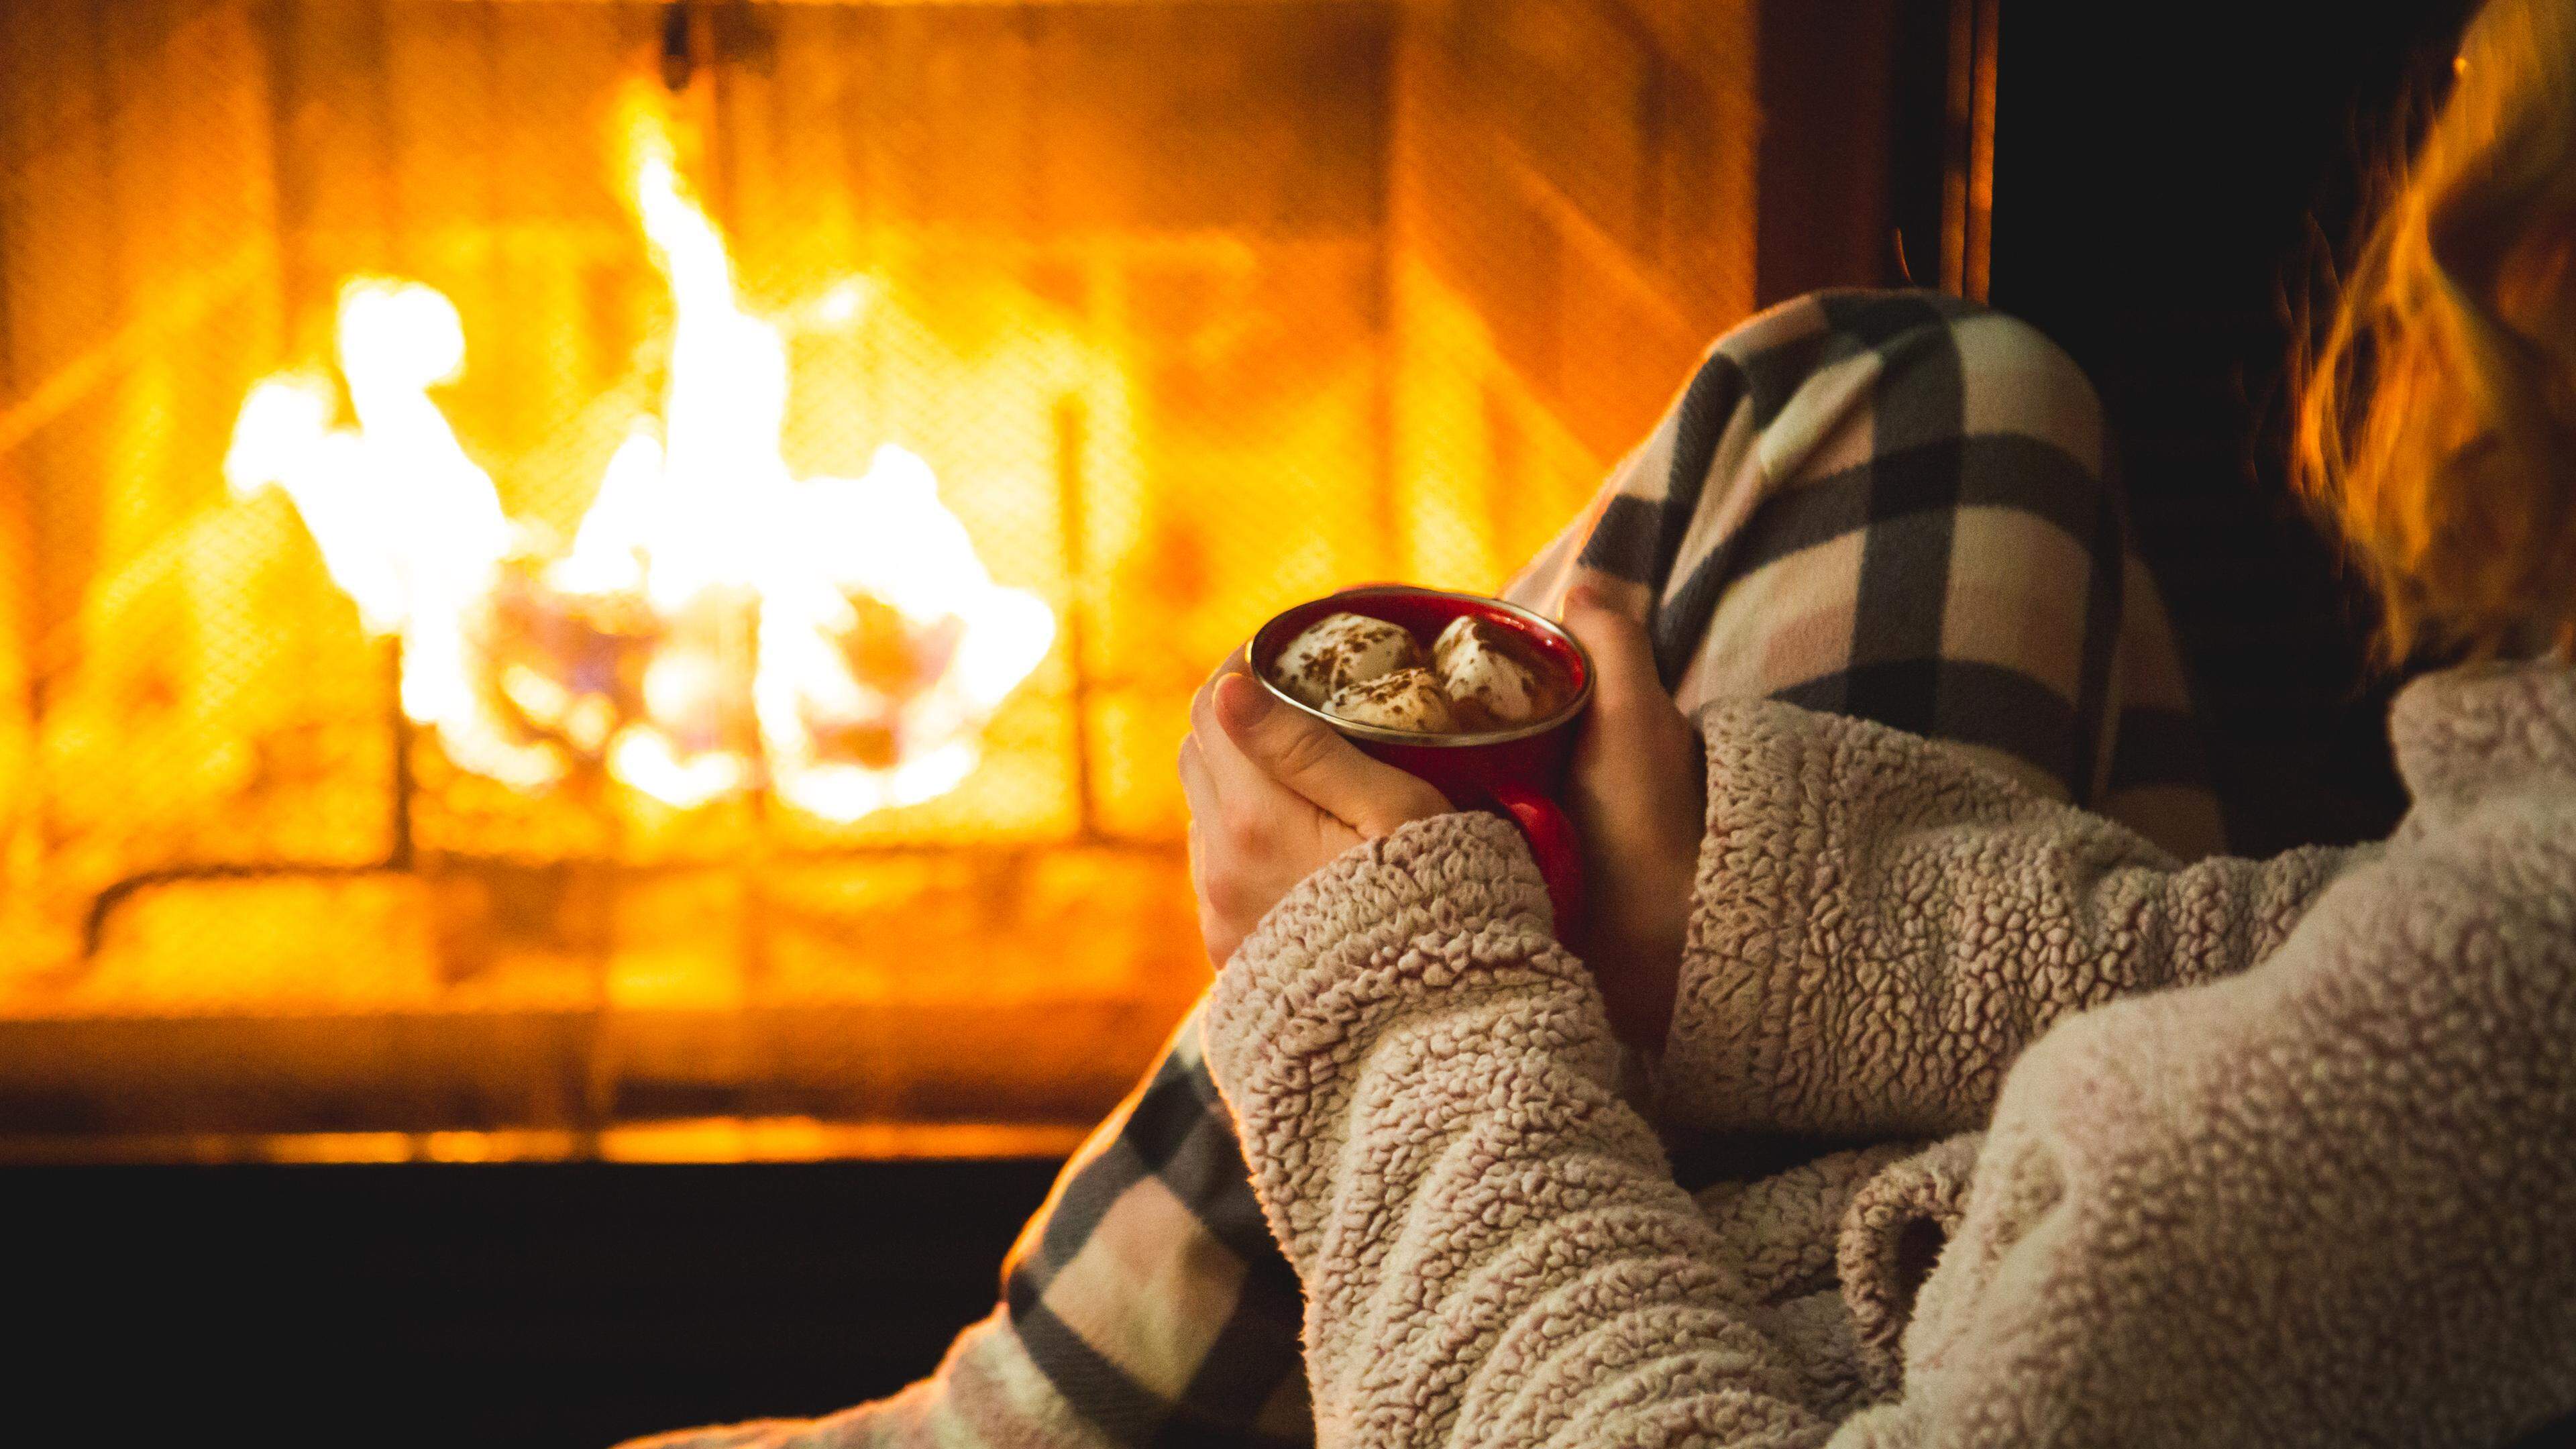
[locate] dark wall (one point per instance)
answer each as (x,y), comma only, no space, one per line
(2167,178)
(1851,97)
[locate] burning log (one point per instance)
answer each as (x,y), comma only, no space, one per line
(717,621)
(562,668)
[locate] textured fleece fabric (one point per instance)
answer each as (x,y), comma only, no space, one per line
(986,1394)
(1891,505)
(2318,1189)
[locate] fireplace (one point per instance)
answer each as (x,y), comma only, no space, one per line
(613,579)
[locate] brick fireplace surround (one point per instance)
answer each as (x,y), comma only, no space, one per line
(1196,308)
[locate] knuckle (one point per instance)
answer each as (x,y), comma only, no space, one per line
(1242,834)
(1218,934)
(1232,897)
(1405,803)
(1217,885)
(1305,748)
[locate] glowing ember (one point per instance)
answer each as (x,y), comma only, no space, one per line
(718,623)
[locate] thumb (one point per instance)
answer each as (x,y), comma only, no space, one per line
(1625,683)
(1306,755)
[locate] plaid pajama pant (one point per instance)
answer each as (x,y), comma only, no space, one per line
(1893,505)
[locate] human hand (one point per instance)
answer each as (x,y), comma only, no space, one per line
(1275,795)
(1638,794)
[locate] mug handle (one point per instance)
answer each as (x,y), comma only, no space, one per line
(1553,845)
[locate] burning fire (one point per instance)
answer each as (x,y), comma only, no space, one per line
(717,623)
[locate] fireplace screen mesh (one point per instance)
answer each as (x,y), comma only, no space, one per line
(574,565)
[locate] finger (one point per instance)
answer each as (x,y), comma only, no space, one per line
(1233,663)
(1625,682)
(1304,754)
(1608,591)
(1200,792)
(1197,786)
(1238,782)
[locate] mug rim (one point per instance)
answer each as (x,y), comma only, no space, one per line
(1381,734)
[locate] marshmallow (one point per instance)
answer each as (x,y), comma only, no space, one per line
(1481,677)
(1408,699)
(1338,651)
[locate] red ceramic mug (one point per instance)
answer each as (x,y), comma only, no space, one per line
(1517,771)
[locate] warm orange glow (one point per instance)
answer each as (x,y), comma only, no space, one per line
(716,624)
(262,904)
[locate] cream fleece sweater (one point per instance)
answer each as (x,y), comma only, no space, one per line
(2280,1153)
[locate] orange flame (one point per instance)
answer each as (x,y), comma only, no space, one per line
(717,623)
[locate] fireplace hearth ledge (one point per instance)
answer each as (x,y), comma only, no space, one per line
(757,1082)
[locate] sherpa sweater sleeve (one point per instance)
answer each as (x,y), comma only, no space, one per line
(2325,1201)
(1880,926)
(1491,1242)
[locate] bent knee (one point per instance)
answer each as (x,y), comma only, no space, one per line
(1956,366)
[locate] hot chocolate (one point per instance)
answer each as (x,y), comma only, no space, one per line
(1475,678)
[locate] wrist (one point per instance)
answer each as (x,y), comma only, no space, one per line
(1636,942)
